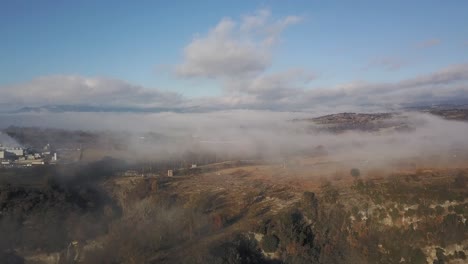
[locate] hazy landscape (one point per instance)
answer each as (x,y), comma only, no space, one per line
(233,133)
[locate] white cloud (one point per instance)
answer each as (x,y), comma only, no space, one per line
(234,49)
(252,22)
(272,86)
(238,54)
(450,84)
(288,91)
(73,89)
(283,91)
(454,73)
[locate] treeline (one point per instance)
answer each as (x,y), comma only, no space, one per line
(45,208)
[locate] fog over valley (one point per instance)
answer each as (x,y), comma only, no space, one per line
(260,134)
(241,132)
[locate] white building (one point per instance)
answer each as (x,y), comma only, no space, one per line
(15,151)
(2,154)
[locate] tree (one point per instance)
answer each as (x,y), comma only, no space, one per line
(355,172)
(417,256)
(460,181)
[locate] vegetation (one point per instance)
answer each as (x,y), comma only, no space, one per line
(270,243)
(187,219)
(355,172)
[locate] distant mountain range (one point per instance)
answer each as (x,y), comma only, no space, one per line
(116,109)
(200,109)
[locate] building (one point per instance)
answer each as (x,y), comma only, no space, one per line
(170,173)
(2,154)
(18,152)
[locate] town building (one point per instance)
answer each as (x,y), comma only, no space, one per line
(18,152)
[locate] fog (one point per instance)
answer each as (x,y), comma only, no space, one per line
(8,141)
(244,134)
(151,218)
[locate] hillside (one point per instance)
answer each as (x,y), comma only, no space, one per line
(265,213)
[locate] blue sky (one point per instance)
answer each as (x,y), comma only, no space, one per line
(142,42)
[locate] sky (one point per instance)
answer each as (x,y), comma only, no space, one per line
(279,55)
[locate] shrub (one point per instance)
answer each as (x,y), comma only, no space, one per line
(355,172)
(310,204)
(461,255)
(239,250)
(330,193)
(270,243)
(439,210)
(417,256)
(460,181)
(459,209)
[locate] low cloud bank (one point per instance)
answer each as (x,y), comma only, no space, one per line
(270,135)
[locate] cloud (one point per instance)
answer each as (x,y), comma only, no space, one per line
(452,74)
(272,86)
(234,49)
(448,84)
(386,63)
(428,43)
(74,89)
(238,55)
(244,134)
(289,91)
